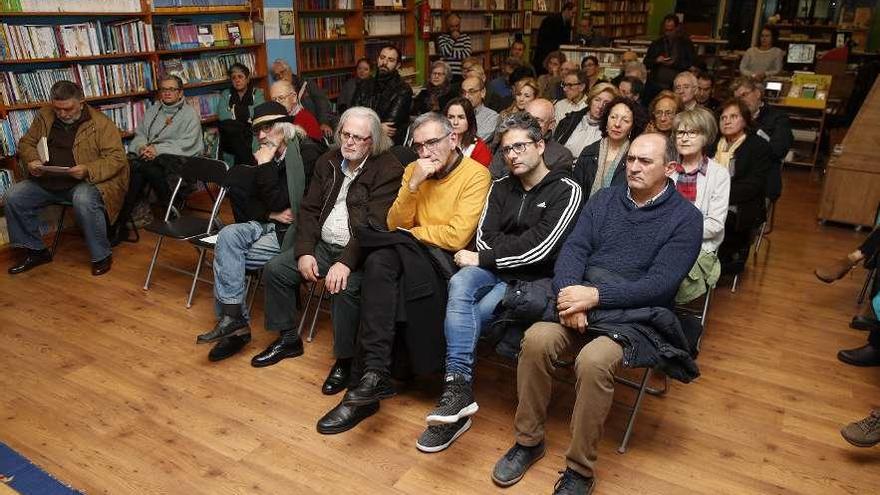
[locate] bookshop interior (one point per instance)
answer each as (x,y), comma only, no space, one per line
(283,227)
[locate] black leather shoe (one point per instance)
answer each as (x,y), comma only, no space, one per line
(337,380)
(343,418)
(860,322)
(226,326)
(372,388)
(102,266)
(574,483)
(32,259)
(513,466)
(228,347)
(285,346)
(867,355)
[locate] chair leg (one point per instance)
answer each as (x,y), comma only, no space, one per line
(153,262)
(250,292)
(705,312)
(59,228)
(305,310)
(864,292)
(735,280)
(317,310)
(192,289)
(632,417)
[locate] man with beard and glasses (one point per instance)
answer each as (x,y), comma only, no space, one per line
(387,94)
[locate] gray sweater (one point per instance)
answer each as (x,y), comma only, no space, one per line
(769,62)
(181,136)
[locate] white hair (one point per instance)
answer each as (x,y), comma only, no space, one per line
(289,130)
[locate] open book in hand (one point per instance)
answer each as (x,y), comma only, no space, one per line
(43,152)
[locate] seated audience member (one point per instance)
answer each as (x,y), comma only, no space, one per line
(629,251)
(685,86)
(354,184)
(460,113)
(283,92)
(748,159)
(474,70)
(515,241)
(548,83)
(706,184)
(636,69)
(662,111)
(170,131)
(524,91)
(591,69)
(474,89)
(773,125)
(568,67)
(500,90)
(864,432)
(439,204)
(838,268)
(387,94)
(263,228)
(311,97)
(556,156)
(234,110)
(362,72)
(705,90)
(518,52)
(574,88)
(632,88)
(437,92)
(88,145)
(603,163)
(763,60)
(581,129)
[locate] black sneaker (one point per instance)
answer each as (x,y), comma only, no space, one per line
(573,483)
(513,466)
(456,401)
(438,437)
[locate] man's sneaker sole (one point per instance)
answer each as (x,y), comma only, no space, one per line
(516,480)
(460,432)
(468,410)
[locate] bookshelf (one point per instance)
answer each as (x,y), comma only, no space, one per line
(117,50)
(333,34)
(617,18)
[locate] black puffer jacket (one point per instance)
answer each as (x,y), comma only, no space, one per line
(391,98)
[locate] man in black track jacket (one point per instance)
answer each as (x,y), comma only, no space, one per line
(527,216)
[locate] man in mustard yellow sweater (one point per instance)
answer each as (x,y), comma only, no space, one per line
(439,203)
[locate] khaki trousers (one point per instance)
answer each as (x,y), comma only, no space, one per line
(594,369)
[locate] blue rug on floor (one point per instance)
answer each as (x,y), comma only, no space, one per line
(22,476)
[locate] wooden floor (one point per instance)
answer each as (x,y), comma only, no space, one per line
(102,385)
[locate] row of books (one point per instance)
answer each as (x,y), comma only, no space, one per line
(500,41)
(332,83)
(327,55)
(507,21)
(13,127)
(321,28)
(206,104)
(175,36)
(198,3)
(384,24)
(21,42)
(95,79)
(69,6)
(621,5)
(127,115)
(207,67)
(324,4)
(385,4)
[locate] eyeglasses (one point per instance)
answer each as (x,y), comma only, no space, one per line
(429,145)
(517,148)
(571,85)
(471,91)
(688,133)
(281,98)
(169,90)
(345,136)
(664,113)
(262,128)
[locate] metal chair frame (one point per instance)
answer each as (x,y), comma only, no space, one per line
(308,308)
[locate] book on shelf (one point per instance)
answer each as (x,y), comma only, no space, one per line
(205,104)
(208,67)
(325,4)
(182,36)
(95,80)
(384,24)
(127,115)
(331,83)
(198,3)
(327,55)
(322,28)
(69,6)
(14,126)
(23,42)
(385,4)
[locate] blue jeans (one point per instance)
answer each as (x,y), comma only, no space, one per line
(26,200)
(474,293)
(241,247)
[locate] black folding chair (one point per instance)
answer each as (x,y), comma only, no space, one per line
(186,226)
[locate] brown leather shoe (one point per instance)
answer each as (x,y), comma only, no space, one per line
(835,270)
(864,432)
(103,266)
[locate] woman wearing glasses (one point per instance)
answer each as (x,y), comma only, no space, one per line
(662,111)
(234,110)
(603,163)
(574,85)
(706,184)
(581,129)
(461,115)
(437,92)
(747,157)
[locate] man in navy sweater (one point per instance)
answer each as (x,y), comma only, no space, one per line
(648,236)
(526,218)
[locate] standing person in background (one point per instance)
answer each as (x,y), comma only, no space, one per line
(460,113)
(234,111)
(474,90)
(555,30)
(765,59)
(667,56)
(454,46)
(387,94)
(587,36)
(346,93)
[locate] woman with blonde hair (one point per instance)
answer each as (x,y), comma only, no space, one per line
(581,128)
(524,91)
(662,111)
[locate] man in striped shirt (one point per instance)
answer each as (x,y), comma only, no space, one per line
(454,46)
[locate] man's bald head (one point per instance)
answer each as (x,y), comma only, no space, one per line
(542,110)
(282,91)
(474,90)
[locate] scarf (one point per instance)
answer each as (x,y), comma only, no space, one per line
(604,174)
(724,151)
(434,95)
